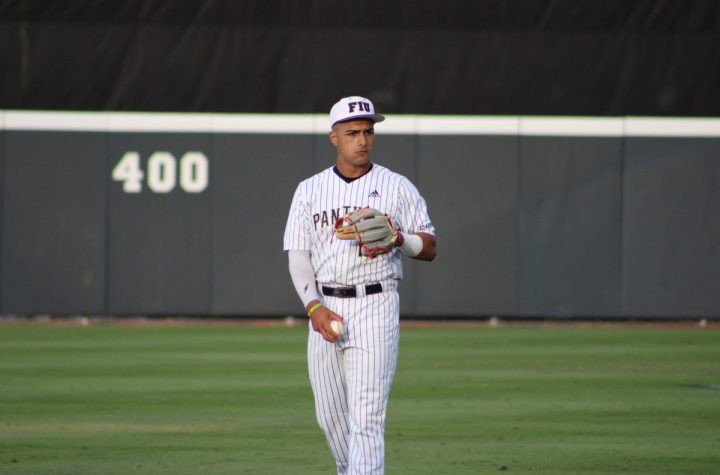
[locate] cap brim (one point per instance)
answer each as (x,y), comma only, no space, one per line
(373,117)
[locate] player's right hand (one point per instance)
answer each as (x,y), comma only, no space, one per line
(321,319)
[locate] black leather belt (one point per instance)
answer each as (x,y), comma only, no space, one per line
(349,292)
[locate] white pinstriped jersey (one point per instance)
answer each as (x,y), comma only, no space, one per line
(321,199)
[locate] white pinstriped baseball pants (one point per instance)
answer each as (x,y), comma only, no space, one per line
(351,380)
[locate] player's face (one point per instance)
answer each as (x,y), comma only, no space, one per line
(354,141)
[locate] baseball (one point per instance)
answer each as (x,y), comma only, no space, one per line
(337,327)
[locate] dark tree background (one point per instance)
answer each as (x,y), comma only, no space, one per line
(574,57)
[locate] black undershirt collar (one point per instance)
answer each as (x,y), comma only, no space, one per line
(347,179)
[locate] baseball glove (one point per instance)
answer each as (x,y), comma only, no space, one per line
(373,230)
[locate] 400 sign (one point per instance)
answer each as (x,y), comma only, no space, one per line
(163,173)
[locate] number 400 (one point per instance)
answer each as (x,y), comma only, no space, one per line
(162,175)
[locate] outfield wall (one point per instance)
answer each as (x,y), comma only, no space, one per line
(138,213)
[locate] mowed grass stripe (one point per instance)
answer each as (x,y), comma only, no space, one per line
(118,399)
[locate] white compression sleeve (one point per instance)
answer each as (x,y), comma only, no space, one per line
(302,275)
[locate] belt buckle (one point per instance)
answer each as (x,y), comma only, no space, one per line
(339,292)
(345,292)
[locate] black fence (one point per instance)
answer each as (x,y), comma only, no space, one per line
(161,214)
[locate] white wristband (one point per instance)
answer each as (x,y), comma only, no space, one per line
(412,245)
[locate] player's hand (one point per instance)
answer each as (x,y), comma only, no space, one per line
(321,319)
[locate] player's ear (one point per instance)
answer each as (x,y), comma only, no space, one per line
(333,138)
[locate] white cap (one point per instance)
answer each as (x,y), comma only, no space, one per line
(354,107)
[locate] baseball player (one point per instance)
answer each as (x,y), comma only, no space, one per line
(347,231)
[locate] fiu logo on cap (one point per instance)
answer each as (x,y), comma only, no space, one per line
(359,105)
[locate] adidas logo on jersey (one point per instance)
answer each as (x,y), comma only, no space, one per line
(374,194)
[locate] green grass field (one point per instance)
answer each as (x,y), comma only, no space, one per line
(154,399)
